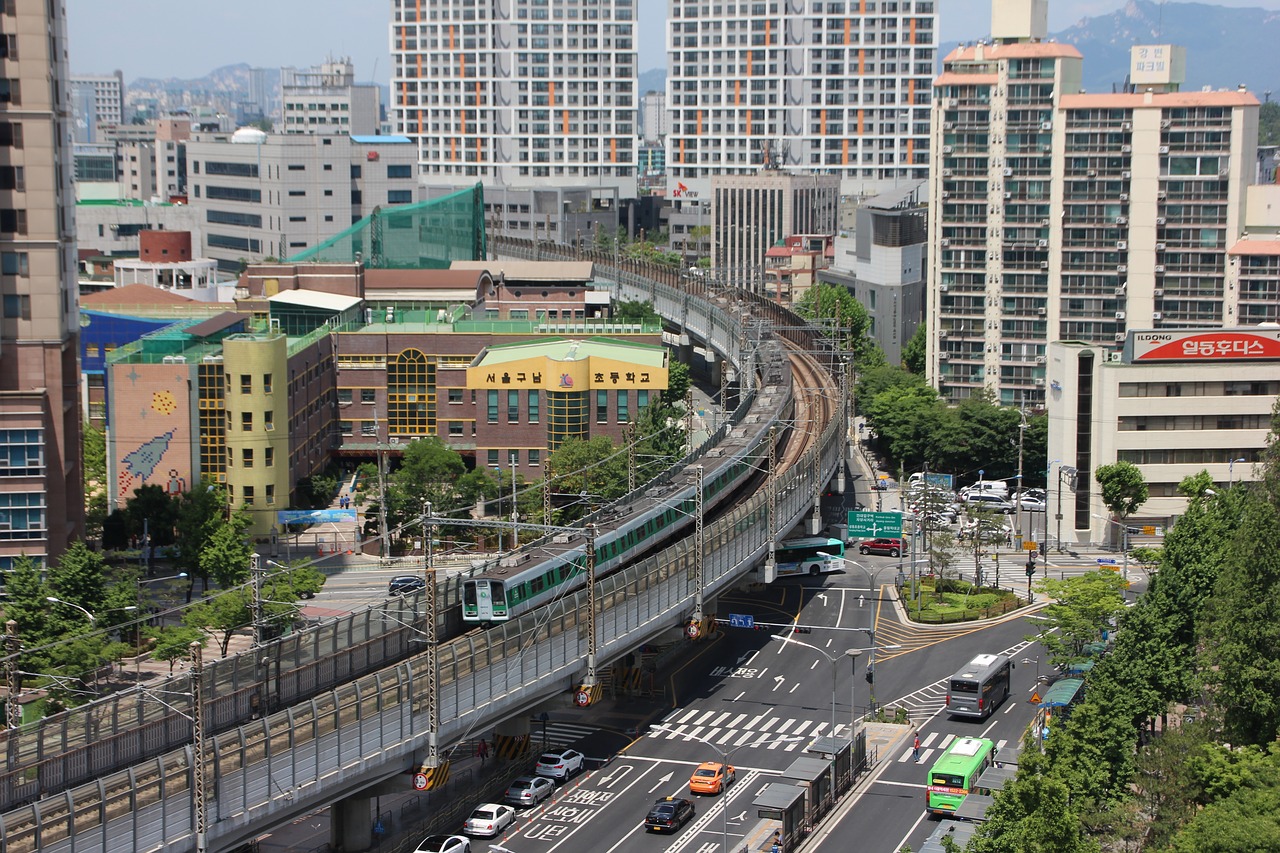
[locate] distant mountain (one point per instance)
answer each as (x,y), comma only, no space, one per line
(1225,46)
(655,79)
(228,78)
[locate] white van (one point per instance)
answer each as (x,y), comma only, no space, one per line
(999,488)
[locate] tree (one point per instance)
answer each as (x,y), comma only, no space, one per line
(844,317)
(635,311)
(201,512)
(1034,813)
(915,353)
(1269,123)
(152,511)
(79,577)
(1123,488)
(1241,629)
(223,613)
(678,382)
(173,643)
(1083,607)
(429,471)
(594,469)
(226,556)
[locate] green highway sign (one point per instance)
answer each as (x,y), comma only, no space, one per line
(872,525)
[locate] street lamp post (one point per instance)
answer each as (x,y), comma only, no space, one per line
(1231,472)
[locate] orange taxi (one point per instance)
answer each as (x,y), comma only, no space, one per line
(711,777)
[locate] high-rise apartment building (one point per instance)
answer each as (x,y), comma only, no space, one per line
(1072,216)
(327,100)
(841,88)
(520,97)
(41,478)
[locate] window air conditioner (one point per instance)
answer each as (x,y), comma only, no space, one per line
(1164,149)
(1008,173)
(1126,175)
(946,149)
(1040,383)
(1042,312)
(1159,267)
(1160,247)
(1044,265)
(1043,244)
(1159,291)
(942,333)
(1122,220)
(1126,149)
(1046,125)
(1160,193)
(1120,315)
(946,173)
(946,241)
(1157,316)
(1128,125)
(1122,267)
(1008,195)
(946,194)
(1124,196)
(1122,245)
(1120,336)
(1093,173)
(944,287)
(1044,223)
(1115,356)
(1040,359)
(1046,148)
(1164,122)
(944,356)
(1160,220)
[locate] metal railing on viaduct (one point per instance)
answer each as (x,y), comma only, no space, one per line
(355,730)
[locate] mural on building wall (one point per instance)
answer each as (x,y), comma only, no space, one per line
(151,428)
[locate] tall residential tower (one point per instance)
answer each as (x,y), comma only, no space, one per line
(41,479)
(520,96)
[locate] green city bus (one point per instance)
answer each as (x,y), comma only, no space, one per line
(956,771)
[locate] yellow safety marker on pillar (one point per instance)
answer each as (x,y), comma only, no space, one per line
(431,778)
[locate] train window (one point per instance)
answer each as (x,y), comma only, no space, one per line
(536,585)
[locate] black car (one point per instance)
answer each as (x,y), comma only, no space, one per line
(405,584)
(669,814)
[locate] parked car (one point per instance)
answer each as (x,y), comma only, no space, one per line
(989,502)
(560,765)
(712,777)
(443,844)
(405,584)
(892,547)
(488,820)
(1032,503)
(528,790)
(668,815)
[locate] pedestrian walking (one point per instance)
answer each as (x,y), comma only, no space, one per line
(915,749)
(482,750)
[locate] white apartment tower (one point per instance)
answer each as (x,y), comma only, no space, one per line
(839,87)
(518,95)
(326,100)
(1072,216)
(41,479)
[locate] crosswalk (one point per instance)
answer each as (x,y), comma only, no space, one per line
(934,743)
(728,729)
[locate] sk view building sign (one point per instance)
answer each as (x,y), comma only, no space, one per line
(1202,345)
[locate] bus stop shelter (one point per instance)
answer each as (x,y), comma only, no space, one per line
(958,831)
(974,808)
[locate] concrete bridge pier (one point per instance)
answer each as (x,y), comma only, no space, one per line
(351,824)
(685,350)
(511,738)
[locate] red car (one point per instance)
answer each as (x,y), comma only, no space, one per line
(892,547)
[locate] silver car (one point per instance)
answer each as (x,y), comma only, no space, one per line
(528,791)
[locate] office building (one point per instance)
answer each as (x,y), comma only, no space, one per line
(95,101)
(881,259)
(276,195)
(537,102)
(326,100)
(1173,402)
(842,88)
(752,212)
(1073,216)
(41,478)
(656,119)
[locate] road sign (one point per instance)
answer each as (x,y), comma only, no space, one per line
(741,620)
(420,781)
(1028,545)
(871,525)
(1035,698)
(1106,561)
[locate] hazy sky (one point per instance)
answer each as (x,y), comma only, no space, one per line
(176,38)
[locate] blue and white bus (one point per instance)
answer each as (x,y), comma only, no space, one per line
(812,555)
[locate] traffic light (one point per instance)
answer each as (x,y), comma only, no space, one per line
(871,676)
(802,629)
(1031,565)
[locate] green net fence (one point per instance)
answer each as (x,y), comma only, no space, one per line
(428,235)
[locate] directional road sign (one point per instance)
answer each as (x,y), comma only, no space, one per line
(1106,561)
(741,620)
(871,525)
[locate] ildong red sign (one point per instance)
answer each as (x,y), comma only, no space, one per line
(1207,345)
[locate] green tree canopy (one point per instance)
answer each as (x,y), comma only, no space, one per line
(1124,489)
(226,555)
(845,319)
(153,511)
(915,353)
(1082,608)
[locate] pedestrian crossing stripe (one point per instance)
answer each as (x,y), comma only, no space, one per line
(729,730)
(927,747)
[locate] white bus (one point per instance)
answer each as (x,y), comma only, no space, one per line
(812,555)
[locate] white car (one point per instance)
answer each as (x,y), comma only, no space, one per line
(560,765)
(444,844)
(489,819)
(528,791)
(1032,503)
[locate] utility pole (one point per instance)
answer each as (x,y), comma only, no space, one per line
(1017,507)
(546,491)
(382,489)
(257,571)
(13,679)
(197,734)
(591,606)
(629,436)
(515,532)
(688,416)
(698,546)
(429,664)
(771,562)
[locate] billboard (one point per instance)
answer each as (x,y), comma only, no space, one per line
(1207,345)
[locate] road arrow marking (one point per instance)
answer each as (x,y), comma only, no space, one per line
(619,773)
(664,780)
